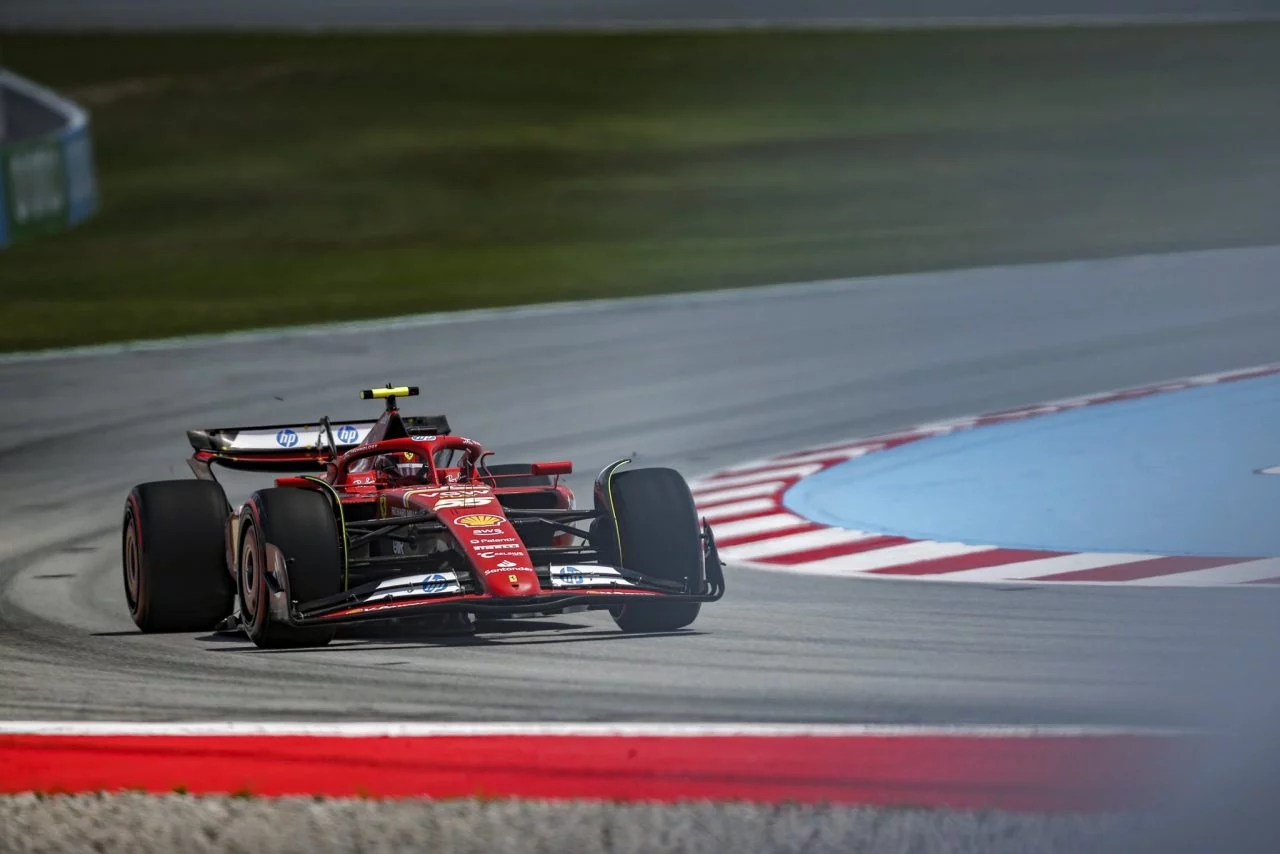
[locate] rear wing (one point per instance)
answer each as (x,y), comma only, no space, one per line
(296,447)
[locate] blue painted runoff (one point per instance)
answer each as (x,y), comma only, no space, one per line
(1170,474)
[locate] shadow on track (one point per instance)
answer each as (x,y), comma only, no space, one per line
(376,637)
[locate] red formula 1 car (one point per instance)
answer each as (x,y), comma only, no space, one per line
(398,518)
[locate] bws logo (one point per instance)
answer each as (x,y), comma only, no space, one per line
(286,438)
(480,520)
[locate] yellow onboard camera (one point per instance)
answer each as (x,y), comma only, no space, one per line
(389,391)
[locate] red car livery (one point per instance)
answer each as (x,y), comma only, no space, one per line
(396,518)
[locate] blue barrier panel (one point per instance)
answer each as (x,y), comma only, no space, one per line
(82,183)
(48,182)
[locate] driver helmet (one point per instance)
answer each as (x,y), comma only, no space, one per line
(403,467)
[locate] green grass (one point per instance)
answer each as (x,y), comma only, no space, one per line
(257,180)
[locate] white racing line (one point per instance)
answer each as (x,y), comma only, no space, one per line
(374,729)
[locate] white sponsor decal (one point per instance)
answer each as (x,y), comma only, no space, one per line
(587,576)
(417,585)
(293,438)
(453,490)
(507,563)
(446,503)
(489,555)
(498,543)
(510,569)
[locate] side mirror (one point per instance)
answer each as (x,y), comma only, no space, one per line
(560,467)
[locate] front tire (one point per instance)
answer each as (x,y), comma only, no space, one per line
(301,524)
(653,530)
(173,550)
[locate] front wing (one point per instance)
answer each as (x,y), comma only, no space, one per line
(415,595)
(581,584)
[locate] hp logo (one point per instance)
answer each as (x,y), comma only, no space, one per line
(571,575)
(286,438)
(435,584)
(347,434)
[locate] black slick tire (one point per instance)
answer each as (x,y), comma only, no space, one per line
(174,555)
(654,530)
(301,524)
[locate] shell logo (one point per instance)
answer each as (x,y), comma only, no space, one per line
(479,520)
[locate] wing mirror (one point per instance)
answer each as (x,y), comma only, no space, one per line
(560,467)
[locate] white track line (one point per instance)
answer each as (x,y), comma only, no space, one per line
(1029,569)
(424,729)
(840,452)
(891,556)
(776,547)
(758,525)
(733,493)
(738,508)
(773,472)
(1232,573)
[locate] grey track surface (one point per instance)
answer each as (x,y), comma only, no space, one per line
(77,14)
(133,823)
(694,383)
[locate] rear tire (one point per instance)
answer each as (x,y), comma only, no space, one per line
(173,550)
(658,524)
(301,524)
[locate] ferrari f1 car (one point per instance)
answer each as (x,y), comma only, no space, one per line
(398,518)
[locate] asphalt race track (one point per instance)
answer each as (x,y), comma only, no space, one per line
(693,382)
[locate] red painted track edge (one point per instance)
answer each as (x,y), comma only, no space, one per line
(1040,773)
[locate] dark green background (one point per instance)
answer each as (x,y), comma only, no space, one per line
(260,180)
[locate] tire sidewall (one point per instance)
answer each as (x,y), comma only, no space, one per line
(135,589)
(174,561)
(257,619)
(660,492)
(268,526)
